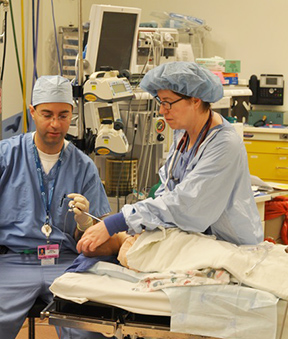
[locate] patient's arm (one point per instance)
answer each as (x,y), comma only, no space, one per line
(110,247)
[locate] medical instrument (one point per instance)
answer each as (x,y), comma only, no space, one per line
(73,206)
(113,37)
(96,112)
(148,135)
(101,93)
(176,156)
(107,87)
(95,115)
(155,46)
(86,213)
(111,139)
(194,28)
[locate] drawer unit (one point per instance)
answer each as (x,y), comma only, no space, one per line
(68,38)
(269,167)
(266,147)
(267,159)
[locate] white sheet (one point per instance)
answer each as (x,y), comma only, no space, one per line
(224,311)
(81,287)
(224,308)
(248,314)
(264,266)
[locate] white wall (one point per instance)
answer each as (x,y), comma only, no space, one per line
(253,31)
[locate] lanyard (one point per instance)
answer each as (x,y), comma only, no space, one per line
(182,145)
(204,132)
(46,202)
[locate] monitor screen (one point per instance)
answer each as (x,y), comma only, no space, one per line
(106,113)
(112,39)
(271,81)
(116,40)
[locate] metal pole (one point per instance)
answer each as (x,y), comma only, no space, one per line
(80,72)
(2,37)
(0,109)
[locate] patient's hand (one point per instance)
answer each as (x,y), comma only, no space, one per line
(93,237)
(109,247)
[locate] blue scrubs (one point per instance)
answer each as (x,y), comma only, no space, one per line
(22,214)
(212,194)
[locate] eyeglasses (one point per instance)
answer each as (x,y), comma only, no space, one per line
(166,104)
(65,117)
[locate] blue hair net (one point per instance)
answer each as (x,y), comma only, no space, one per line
(52,88)
(186,78)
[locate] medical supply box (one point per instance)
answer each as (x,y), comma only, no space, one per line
(220,64)
(273,229)
(230,78)
(213,64)
(232,66)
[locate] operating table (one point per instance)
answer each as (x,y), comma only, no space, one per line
(109,305)
(111,299)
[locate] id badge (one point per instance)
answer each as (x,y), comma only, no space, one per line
(48,253)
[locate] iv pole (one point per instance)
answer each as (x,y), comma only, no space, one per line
(2,37)
(80,73)
(85,140)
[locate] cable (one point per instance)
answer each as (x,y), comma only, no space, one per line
(149,146)
(148,167)
(34,46)
(146,62)
(4,47)
(56,40)
(15,44)
(35,38)
(118,184)
(25,122)
(142,142)
(146,137)
(136,121)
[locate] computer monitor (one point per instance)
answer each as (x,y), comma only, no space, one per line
(112,38)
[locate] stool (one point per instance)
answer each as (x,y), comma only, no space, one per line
(33,313)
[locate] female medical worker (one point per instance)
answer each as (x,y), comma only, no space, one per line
(206,184)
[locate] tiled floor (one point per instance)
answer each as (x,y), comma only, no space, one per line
(42,330)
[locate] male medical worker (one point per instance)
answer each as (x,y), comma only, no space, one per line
(37,233)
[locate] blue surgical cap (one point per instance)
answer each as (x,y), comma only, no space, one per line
(52,88)
(187,78)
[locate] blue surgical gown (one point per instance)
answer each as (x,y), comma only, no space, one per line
(213,193)
(22,214)
(22,211)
